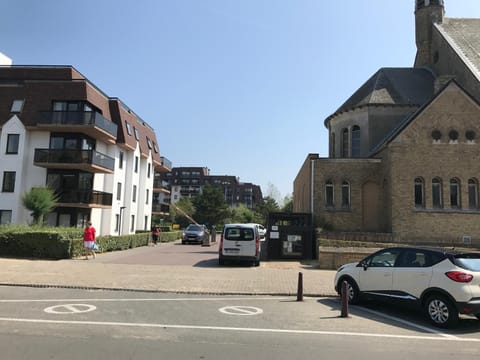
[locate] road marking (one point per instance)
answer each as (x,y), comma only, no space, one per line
(70,309)
(144,299)
(240,310)
(223,328)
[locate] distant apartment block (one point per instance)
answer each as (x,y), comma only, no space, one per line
(189,181)
(58,129)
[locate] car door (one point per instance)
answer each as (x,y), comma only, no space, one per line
(377,274)
(412,273)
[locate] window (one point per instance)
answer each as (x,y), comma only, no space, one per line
(13,141)
(385,258)
(119,191)
(129,128)
(136,164)
(148,196)
(356,141)
(135,130)
(345,149)
(120,160)
(436,193)
(5,217)
(17,106)
(149,169)
(145,226)
(132,223)
(470,135)
(453,135)
(134,195)
(345,194)
(155,148)
(472,194)
(8,181)
(332,145)
(117,222)
(436,135)
(149,143)
(329,193)
(419,193)
(454,193)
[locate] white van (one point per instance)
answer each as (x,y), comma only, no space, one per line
(239,242)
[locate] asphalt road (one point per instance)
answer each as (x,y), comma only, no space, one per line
(46,323)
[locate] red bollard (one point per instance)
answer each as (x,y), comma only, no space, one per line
(300,287)
(344,295)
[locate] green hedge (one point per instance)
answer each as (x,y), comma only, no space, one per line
(64,243)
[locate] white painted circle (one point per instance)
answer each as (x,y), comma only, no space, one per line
(240,310)
(70,309)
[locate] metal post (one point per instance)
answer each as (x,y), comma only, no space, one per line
(344,293)
(300,287)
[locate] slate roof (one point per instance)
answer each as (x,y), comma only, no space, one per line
(464,37)
(392,86)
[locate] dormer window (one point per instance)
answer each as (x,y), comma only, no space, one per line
(17,106)
(149,143)
(129,128)
(136,133)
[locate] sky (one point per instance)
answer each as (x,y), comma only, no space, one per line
(241,87)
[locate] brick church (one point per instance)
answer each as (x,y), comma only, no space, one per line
(404,149)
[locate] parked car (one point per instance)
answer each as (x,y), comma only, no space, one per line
(195,234)
(444,283)
(240,243)
(262,231)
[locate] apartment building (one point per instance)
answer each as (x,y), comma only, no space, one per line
(189,181)
(58,129)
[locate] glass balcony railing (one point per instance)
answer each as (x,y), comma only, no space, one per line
(62,156)
(160,208)
(165,162)
(86,118)
(85,197)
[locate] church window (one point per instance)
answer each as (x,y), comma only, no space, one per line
(356,141)
(332,145)
(436,193)
(419,193)
(454,193)
(472,194)
(345,194)
(345,143)
(329,194)
(470,135)
(453,135)
(436,135)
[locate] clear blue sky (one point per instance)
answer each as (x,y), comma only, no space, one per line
(241,87)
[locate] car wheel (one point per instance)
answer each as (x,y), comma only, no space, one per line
(221,262)
(256,263)
(353,293)
(441,311)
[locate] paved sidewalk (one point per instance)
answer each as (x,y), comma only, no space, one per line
(115,271)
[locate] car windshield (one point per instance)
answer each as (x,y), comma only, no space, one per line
(194,228)
(468,261)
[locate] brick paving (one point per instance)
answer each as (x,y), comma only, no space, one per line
(169,268)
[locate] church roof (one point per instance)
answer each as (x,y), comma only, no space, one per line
(463,35)
(392,86)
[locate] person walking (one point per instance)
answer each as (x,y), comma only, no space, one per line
(155,234)
(89,240)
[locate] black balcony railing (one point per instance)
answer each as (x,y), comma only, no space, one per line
(160,208)
(60,156)
(85,197)
(86,118)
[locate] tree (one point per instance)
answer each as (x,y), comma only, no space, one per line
(178,211)
(40,201)
(242,214)
(211,207)
(287,204)
(263,209)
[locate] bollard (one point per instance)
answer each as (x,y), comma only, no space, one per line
(300,287)
(344,295)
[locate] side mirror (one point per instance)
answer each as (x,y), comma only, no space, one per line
(364,265)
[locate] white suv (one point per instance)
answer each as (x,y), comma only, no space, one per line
(445,283)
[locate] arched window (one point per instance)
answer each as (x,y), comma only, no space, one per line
(454,193)
(472,194)
(437,193)
(419,193)
(345,143)
(329,194)
(345,194)
(332,145)
(356,141)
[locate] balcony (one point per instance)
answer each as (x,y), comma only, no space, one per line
(84,198)
(166,165)
(161,186)
(86,160)
(161,209)
(90,123)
